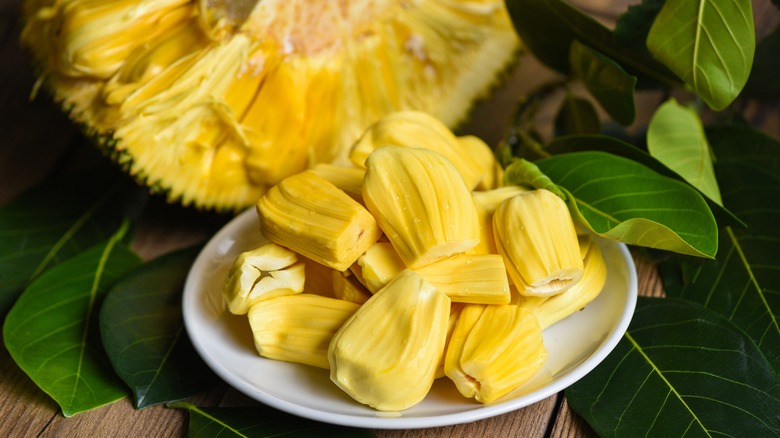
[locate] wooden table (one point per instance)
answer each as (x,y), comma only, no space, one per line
(38,141)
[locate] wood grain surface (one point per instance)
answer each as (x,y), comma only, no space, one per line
(38,142)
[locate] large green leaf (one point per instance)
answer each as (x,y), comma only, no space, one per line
(615,146)
(548,27)
(52,330)
(762,83)
(626,201)
(743,144)
(50,223)
(633,25)
(143,332)
(259,422)
(675,136)
(576,116)
(612,87)
(710,44)
(743,282)
(680,370)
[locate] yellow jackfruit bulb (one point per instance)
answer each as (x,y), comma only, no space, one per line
(490,172)
(491,199)
(348,179)
(386,355)
(417,129)
(549,310)
(380,264)
(421,203)
(298,328)
(312,217)
(262,273)
(347,287)
(470,278)
(535,234)
(493,350)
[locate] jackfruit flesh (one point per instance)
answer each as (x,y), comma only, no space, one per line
(312,217)
(213,101)
(493,350)
(470,278)
(380,264)
(471,156)
(387,354)
(262,273)
(535,234)
(421,203)
(347,287)
(549,310)
(298,328)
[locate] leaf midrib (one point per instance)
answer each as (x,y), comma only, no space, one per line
(91,305)
(663,378)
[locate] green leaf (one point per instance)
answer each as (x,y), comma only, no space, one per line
(625,201)
(743,282)
(633,26)
(709,44)
(259,422)
(612,87)
(143,333)
(746,145)
(680,370)
(548,27)
(675,136)
(577,116)
(525,173)
(762,83)
(48,224)
(52,330)
(615,146)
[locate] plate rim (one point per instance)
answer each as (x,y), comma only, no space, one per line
(390,421)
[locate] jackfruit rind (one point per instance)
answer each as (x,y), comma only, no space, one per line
(213,114)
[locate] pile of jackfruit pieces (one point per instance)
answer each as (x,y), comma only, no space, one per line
(410,265)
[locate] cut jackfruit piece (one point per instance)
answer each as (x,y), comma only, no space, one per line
(262,273)
(386,355)
(298,328)
(347,287)
(471,156)
(549,310)
(493,350)
(535,233)
(421,203)
(470,278)
(312,217)
(213,101)
(380,264)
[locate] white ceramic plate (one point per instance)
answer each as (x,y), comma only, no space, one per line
(575,346)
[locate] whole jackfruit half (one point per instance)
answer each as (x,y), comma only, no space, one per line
(213,101)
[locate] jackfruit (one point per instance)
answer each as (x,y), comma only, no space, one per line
(493,350)
(298,328)
(535,234)
(347,287)
(421,203)
(549,310)
(312,217)
(211,101)
(386,355)
(470,278)
(380,264)
(262,273)
(471,156)
(486,202)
